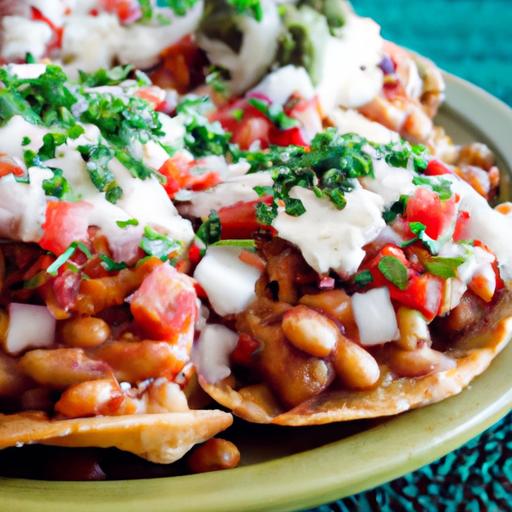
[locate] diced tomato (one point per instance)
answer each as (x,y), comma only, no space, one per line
(194,254)
(56,41)
(461,231)
(423,293)
(293,136)
(8,167)
(251,130)
(245,349)
(165,305)
(239,221)
(65,223)
(426,207)
(177,172)
(436,168)
(127,11)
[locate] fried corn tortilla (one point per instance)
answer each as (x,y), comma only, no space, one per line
(160,438)
(473,353)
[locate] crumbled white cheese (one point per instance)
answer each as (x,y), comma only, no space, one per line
(20,36)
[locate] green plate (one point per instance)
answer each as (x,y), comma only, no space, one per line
(287,469)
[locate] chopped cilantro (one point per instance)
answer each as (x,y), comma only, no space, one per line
(396,209)
(251,7)
(418,229)
(394,271)
(237,114)
(125,223)
(57,186)
(265,213)
(203,137)
(263,190)
(363,278)
(103,76)
(216,81)
(157,244)
(30,59)
(25,141)
(245,244)
(110,265)
(441,187)
(443,267)
(66,255)
(179,7)
(210,230)
(50,143)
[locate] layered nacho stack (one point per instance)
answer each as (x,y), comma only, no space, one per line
(278,219)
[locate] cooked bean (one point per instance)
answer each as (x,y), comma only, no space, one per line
(413,328)
(134,361)
(419,362)
(12,380)
(62,367)
(102,396)
(356,367)
(4,325)
(85,332)
(310,331)
(101,293)
(336,303)
(469,311)
(214,455)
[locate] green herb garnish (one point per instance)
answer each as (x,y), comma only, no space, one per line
(157,244)
(443,267)
(363,278)
(394,271)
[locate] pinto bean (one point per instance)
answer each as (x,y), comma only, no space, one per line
(85,332)
(470,310)
(419,362)
(102,396)
(62,367)
(164,396)
(214,455)
(413,328)
(133,361)
(12,379)
(355,366)
(310,331)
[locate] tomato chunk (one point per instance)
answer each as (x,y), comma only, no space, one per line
(65,223)
(165,305)
(238,221)
(127,11)
(426,207)
(436,168)
(461,231)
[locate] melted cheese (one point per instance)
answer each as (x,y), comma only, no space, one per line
(330,238)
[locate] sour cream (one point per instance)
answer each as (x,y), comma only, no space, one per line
(330,238)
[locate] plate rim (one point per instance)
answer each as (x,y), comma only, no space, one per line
(289,482)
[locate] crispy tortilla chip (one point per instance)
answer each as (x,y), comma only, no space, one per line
(473,353)
(161,438)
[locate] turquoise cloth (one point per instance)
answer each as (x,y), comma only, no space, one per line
(472,39)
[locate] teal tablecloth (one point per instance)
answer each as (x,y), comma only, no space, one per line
(472,39)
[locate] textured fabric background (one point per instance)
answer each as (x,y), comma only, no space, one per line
(472,39)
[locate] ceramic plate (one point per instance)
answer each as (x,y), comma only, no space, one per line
(288,469)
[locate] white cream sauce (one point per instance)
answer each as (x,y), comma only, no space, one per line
(351,75)
(330,238)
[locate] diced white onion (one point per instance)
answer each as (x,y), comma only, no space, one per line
(212,350)
(228,282)
(29,327)
(375,317)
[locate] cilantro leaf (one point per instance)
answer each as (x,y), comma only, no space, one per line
(443,267)
(179,7)
(210,230)
(251,7)
(245,244)
(157,244)
(57,186)
(363,278)
(396,209)
(103,77)
(125,223)
(110,265)
(441,187)
(418,229)
(394,271)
